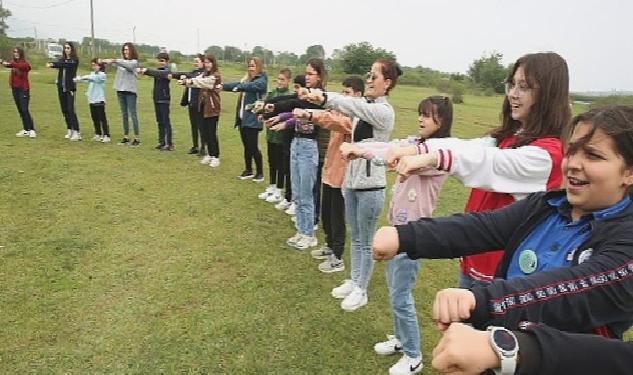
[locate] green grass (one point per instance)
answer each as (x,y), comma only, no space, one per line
(127,260)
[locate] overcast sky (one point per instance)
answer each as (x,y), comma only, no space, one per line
(595,37)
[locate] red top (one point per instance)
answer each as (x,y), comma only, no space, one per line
(19,74)
(482,266)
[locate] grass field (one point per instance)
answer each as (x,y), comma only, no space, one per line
(127,260)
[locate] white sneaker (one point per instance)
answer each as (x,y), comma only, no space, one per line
(292,210)
(275,196)
(96,138)
(356,299)
(106,139)
(32,134)
(406,366)
(205,160)
(76,136)
(306,242)
(215,162)
(292,241)
(389,347)
(283,205)
(69,133)
(22,133)
(344,289)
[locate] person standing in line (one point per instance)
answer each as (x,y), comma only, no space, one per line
(161,96)
(66,88)
(96,100)
(21,89)
(125,87)
(252,87)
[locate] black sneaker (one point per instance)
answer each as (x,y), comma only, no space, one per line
(124,142)
(258,178)
(245,175)
(193,151)
(159,146)
(135,142)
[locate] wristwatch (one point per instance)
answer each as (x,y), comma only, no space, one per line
(505,344)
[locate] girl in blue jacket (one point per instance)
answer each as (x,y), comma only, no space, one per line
(96,99)
(252,87)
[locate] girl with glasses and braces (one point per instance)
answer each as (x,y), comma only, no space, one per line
(521,156)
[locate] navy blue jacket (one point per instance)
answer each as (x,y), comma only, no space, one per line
(161,93)
(594,294)
(67,70)
(253,90)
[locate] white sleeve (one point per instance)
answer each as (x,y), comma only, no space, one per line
(203,82)
(379,115)
(455,143)
(517,171)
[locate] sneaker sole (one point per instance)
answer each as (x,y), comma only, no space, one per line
(320,257)
(351,309)
(332,270)
(244,178)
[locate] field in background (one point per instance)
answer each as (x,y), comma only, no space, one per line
(129,260)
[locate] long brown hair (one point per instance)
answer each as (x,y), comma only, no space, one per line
(547,74)
(20,53)
(133,55)
(319,66)
(212,59)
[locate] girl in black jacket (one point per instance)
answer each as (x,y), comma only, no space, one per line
(66,88)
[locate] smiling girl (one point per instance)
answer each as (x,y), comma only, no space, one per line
(364,183)
(568,258)
(519,157)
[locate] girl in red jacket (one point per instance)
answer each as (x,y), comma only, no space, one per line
(19,83)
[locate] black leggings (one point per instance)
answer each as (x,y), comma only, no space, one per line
(251,149)
(275,164)
(209,135)
(67,104)
(98,115)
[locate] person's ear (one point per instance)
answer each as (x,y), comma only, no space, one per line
(628,177)
(388,84)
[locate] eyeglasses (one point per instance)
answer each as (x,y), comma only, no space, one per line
(520,90)
(371,76)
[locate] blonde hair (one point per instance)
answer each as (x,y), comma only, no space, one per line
(259,67)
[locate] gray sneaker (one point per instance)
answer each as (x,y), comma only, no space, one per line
(332,264)
(323,252)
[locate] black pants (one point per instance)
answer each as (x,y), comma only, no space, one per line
(333,215)
(67,104)
(195,119)
(286,166)
(98,115)
(209,135)
(164,123)
(22,99)
(275,164)
(316,193)
(251,149)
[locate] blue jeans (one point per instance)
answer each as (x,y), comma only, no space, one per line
(304,160)
(401,274)
(362,209)
(127,102)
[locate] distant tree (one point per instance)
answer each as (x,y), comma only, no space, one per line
(4,14)
(316,51)
(287,59)
(488,73)
(232,54)
(216,51)
(357,58)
